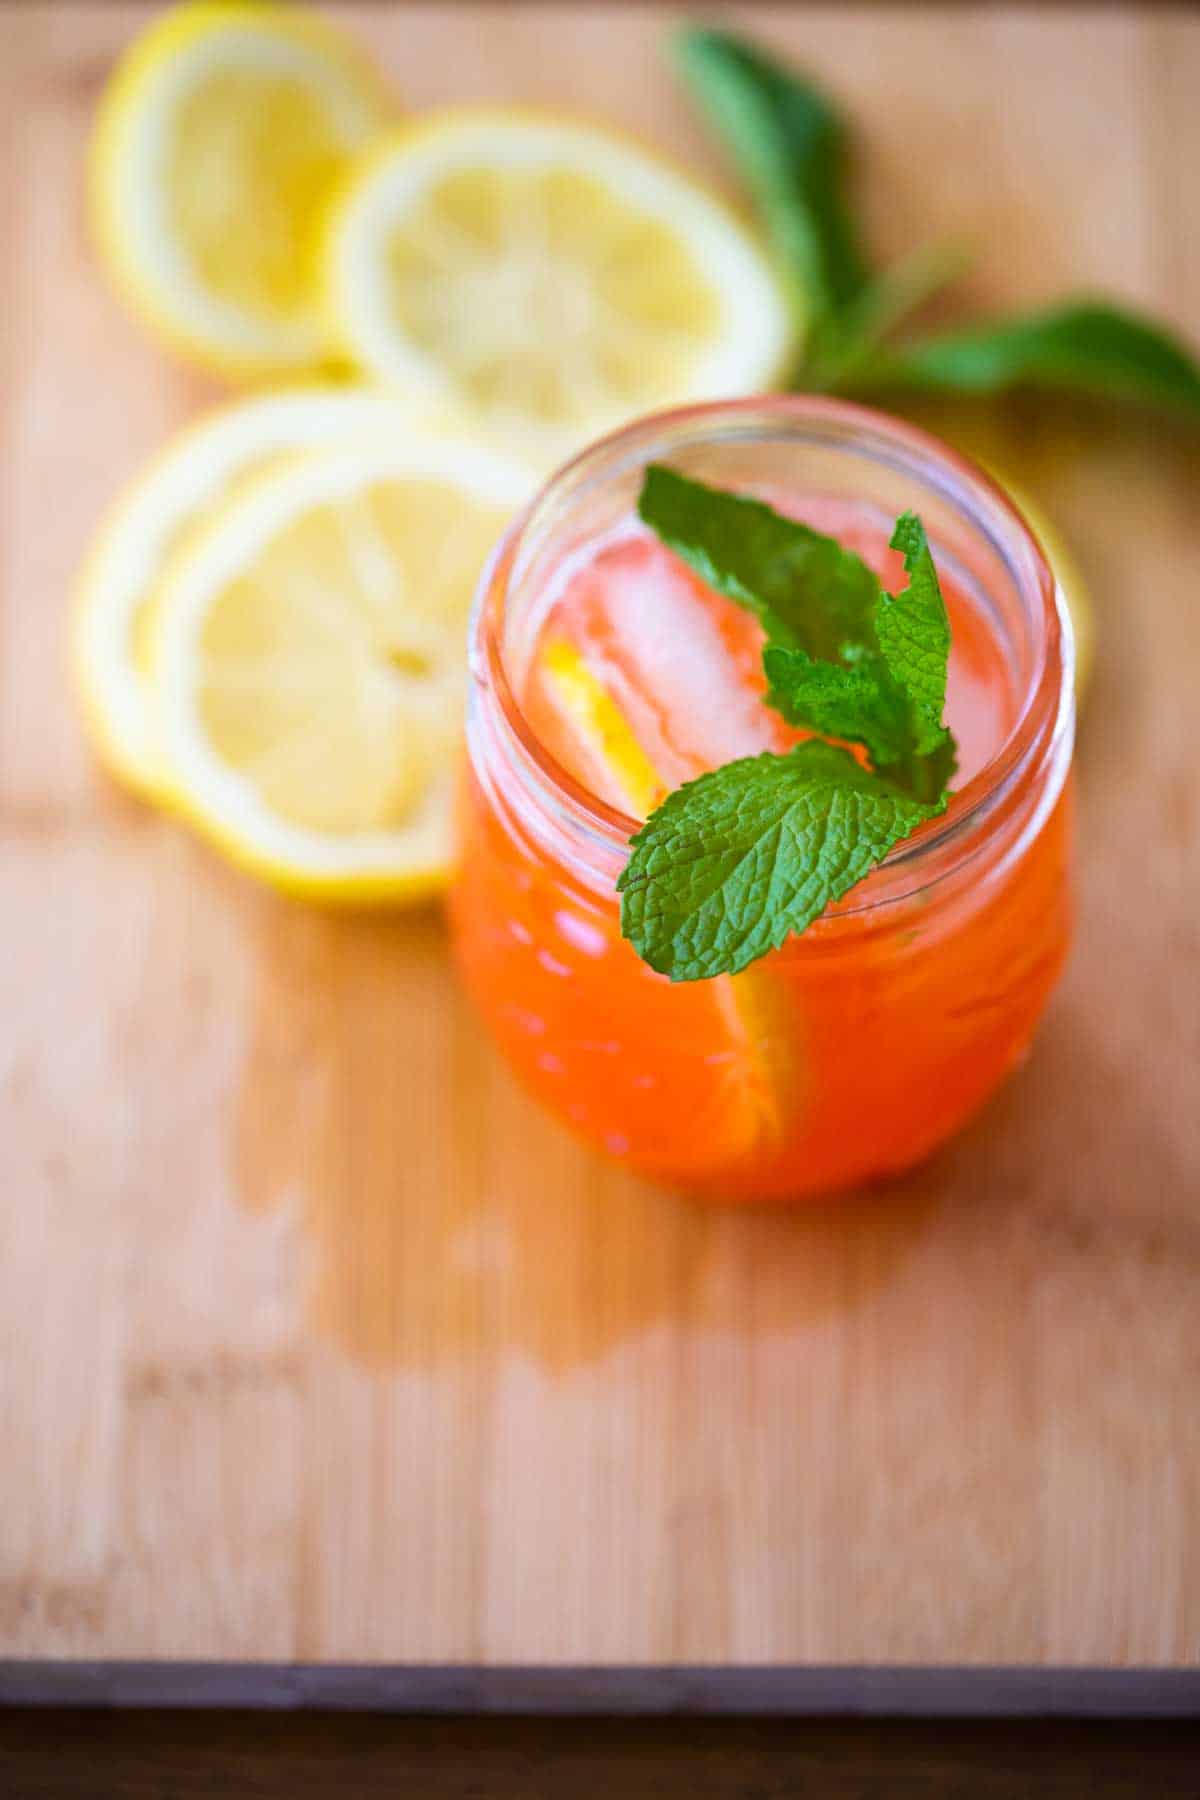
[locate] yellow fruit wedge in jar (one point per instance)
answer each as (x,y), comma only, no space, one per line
(760,1076)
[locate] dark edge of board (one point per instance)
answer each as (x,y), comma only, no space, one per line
(695,1690)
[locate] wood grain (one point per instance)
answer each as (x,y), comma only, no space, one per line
(316,1340)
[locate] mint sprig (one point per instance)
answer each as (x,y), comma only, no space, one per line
(735,861)
(791,146)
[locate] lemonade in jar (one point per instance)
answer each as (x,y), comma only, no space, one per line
(843,921)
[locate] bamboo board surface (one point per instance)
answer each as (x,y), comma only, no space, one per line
(316,1340)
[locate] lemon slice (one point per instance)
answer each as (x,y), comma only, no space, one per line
(218,141)
(155,518)
(309,664)
(547,279)
(758,1079)
(1073,587)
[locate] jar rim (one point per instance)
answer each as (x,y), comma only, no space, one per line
(1047,692)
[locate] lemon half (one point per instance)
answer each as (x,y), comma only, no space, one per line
(218,141)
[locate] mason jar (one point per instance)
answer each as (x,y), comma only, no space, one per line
(858,1047)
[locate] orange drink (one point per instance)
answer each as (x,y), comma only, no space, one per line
(604,672)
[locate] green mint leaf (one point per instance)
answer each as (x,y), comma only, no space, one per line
(856,701)
(1083,346)
(821,607)
(732,863)
(789,144)
(807,591)
(914,634)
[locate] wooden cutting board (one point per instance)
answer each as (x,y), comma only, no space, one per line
(316,1340)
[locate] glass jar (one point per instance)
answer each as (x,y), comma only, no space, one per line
(856,1048)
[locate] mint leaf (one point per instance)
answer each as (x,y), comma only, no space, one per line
(914,634)
(1084,346)
(805,589)
(857,702)
(789,144)
(732,863)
